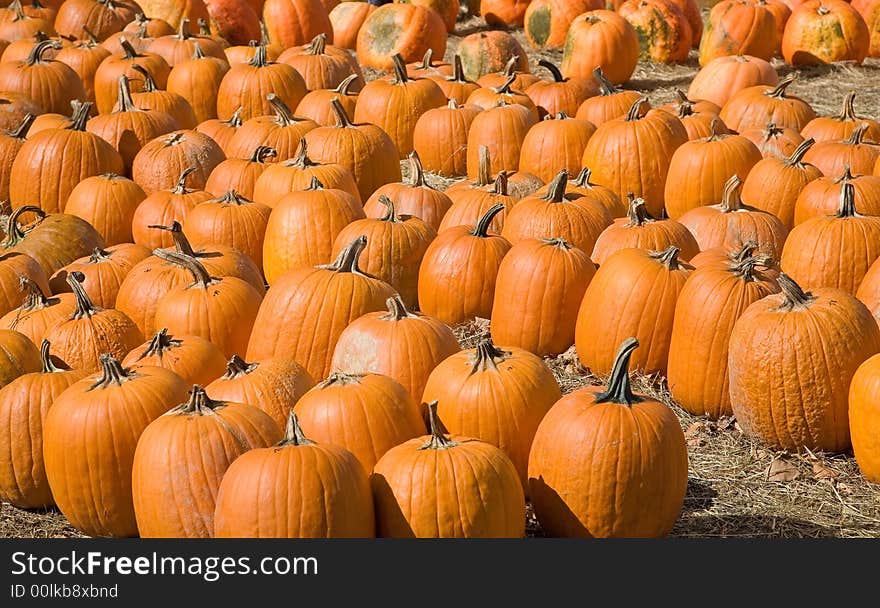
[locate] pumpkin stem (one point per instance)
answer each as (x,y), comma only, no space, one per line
(340,379)
(858,134)
(283,115)
(80,115)
(715,131)
(198,404)
(345,85)
(198,53)
(159,344)
(779,90)
(484,166)
(235,120)
(848,112)
(583,178)
(390,211)
(416,171)
(438,440)
(669,258)
(85,308)
(792,295)
(730,199)
(264,33)
(797,156)
(317,45)
(556,189)
(746,269)
(505,89)
(238,367)
(181,243)
(635,110)
(48,365)
(347,260)
(637,212)
(112,373)
(293,433)
(99,255)
(183,30)
(21,130)
(771,131)
(124,102)
(34,298)
(551,67)
(204,28)
(847,175)
(40,49)
(260,58)
(400,76)
(201,276)
(619,389)
(396,309)
(128,51)
(180,186)
(91,40)
(847,205)
(558,242)
(342,119)
(510,66)
(149,83)
(605,86)
(482,228)
(14,232)
(301,159)
(232,197)
(426,60)
(457,70)
(487,356)
(501,182)
(262,153)
(315,184)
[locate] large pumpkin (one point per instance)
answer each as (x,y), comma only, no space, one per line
(160,163)
(18,356)
(108,202)
(665,35)
(403,29)
(739,27)
(758,105)
(557,142)
(295,22)
(246,85)
(52,85)
(863,418)
(546,22)
(725,76)
(600,39)
(825,31)
(198,81)
(490,53)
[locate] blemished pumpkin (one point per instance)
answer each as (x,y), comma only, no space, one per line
(89,440)
(401,344)
(403,29)
(633,293)
(711,301)
(347,19)
(158,165)
(841,126)
(36,311)
(18,356)
(164,207)
(101,18)
(825,31)
(222,131)
(723,77)
(739,27)
(13,109)
(665,35)
(468,489)
(600,39)
(300,316)
(193,358)
(458,273)
(863,418)
(108,202)
(576,491)
(15,268)
(104,271)
(24,403)
(325,211)
(181,458)
(756,106)
(546,22)
(367,414)
(792,356)
(492,52)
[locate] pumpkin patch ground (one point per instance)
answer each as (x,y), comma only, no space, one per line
(736,485)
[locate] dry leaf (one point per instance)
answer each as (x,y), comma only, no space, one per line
(726,423)
(697,442)
(782,471)
(694,429)
(823,471)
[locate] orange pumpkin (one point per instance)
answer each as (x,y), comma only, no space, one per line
(840,127)
(108,73)
(773,140)
(107,202)
(604,40)
(239,174)
(853,153)
(347,19)
(472,199)
(104,271)
(316,104)
(494,54)
(725,76)
(514,121)
(160,163)
(403,29)
(198,81)
(441,136)
(740,27)
(611,102)
(825,31)
(756,106)
(821,197)
(193,358)
(546,22)
(282,132)
(863,419)
(322,66)
(37,312)
(247,85)
(295,22)
(162,208)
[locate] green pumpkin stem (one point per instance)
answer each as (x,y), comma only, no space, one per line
(482,228)
(619,389)
(293,433)
(438,440)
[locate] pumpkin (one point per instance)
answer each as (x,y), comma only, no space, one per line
(181,458)
(163,207)
(231,220)
(104,270)
(84,57)
(108,73)
(840,127)
(633,293)
(221,310)
(611,102)
(239,174)
(484,53)
(300,317)
(160,163)
(198,81)
(633,153)
(295,22)
(365,149)
(221,131)
(833,250)
(448,502)
(711,301)
(51,84)
(53,241)
(24,403)
(280,179)
(489,97)
(37,312)
(868,10)
(296,489)
(138,40)
(543,325)
(821,197)
(869,292)
(792,356)
(773,140)
(698,168)
(458,273)
(174,12)
(560,94)
(102,17)
(322,66)
(600,39)
(825,31)
(89,440)
(456,87)
(316,104)
(853,153)
(581,184)
(759,105)
(107,202)
(774,184)
(517,68)
(50,120)
(664,33)
(19,50)
(546,22)
(510,13)
(11,142)
(725,76)
(14,269)
(242,53)
(326,212)
(514,121)
(399,343)
(694,17)
(194,359)
(18,356)
(863,417)
(233,21)
(471,200)
(577,491)
(282,132)
(699,118)
(168,102)
(21,25)
(404,29)
(13,109)
(128,128)
(740,27)
(440,138)
(179,47)
(347,19)
(247,85)
(152,26)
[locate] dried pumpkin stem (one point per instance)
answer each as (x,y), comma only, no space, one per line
(619,389)
(427,58)
(301,160)
(605,86)
(235,120)
(345,85)
(347,260)
(510,66)
(183,30)
(238,367)
(338,378)
(20,132)
(416,171)
(34,298)
(556,189)
(283,114)
(400,76)
(637,211)
(797,156)
(85,308)
(793,297)
(342,118)
(846,207)
(635,110)
(99,255)
(484,167)
(198,53)
(583,178)
(779,90)
(848,112)
(124,102)
(438,440)
(48,365)
(315,184)
(80,116)
(181,243)
(730,198)
(149,83)
(159,344)
(200,274)
(198,404)
(554,71)
(501,184)
(858,134)
(232,197)
(505,88)
(262,153)
(390,212)
(669,257)
(260,58)
(317,45)
(293,433)
(128,51)
(487,356)
(39,51)
(396,309)
(482,228)
(14,231)
(112,373)
(457,70)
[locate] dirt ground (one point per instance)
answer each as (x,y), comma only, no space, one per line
(736,487)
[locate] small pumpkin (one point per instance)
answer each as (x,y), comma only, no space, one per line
(180,46)
(756,106)
(322,66)
(84,57)
(316,104)
(471,200)
(193,358)
(231,220)
(107,202)
(456,87)
(546,22)
(159,164)
(162,208)
(239,174)
(222,131)
(611,102)
(774,140)
(37,312)
(104,270)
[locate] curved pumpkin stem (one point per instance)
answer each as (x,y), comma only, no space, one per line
(14,232)
(482,228)
(160,344)
(149,83)
(847,205)
(347,260)
(260,58)
(730,199)
(99,255)
(112,373)
(400,76)
(338,378)
(797,155)
(605,86)
(487,356)
(199,404)
(635,110)
(34,298)
(85,308)
(80,115)
(669,258)
(238,367)
(39,51)
(183,30)
(90,41)
(505,89)
(510,66)
(637,211)
(202,278)
(416,171)
(342,118)
(293,433)
(181,243)
(198,53)
(301,160)
(779,90)
(619,389)
(390,211)
(793,297)
(858,134)
(747,268)
(396,309)
(47,364)
(583,178)
(848,112)
(235,120)
(283,114)
(124,102)
(180,186)
(345,85)
(715,129)
(556,189)
(427,59)
(438,440)
(262,153)
(20,132)
(558,242)
(551,67)
(128,51)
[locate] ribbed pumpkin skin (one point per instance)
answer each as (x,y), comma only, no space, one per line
(636,231)
(841,126)
(295,22)
(710,302)
(864,416)
(160,162)
(633,294)
(301,316)
(162,208)
(198,81)
(773,140)
(440,138)
(759,105)
(18,356)
(414,197)
(89,443)
(246,85)
(546,22)
(24,404)
(472,199)
(104,270)
(367,415)
(723,77)
(49,83)
(403,345)
(538,293)
(13,266)
(405,29)
(274,385)
(607,39)
(790,368)
(181,458)
(821,197)
(37,313)
(108,73)
(108,202)
(295,491)
(192,358)
(581,488)
(514,121)
(834,157)
(699,169)
(825,31)
(555,144)
(632,154)
(739,28)
(230,220)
